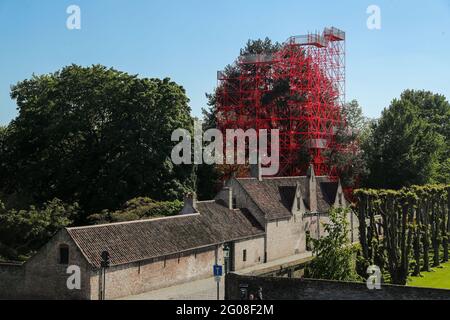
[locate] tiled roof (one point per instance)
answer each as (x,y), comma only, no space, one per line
(145,239)
(274,196)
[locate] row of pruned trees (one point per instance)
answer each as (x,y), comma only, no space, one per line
(401,229)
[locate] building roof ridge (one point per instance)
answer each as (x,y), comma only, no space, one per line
(133,221)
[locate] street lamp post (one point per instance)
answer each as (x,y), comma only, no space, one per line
(105,263)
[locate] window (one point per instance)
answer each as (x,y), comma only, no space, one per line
(308,241)
(340,198)
(234,203)
(63,254)
(244,255)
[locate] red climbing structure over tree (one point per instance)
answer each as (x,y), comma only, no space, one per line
(298,89)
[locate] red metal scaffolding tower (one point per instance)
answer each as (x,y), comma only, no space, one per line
(299,90)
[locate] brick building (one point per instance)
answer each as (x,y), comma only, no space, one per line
(251,221)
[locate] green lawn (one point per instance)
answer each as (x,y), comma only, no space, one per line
(437,278)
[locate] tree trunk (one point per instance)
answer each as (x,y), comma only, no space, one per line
(362,205)
(446,226)
(435,232)
(444,232)
(416,245)
(425,236)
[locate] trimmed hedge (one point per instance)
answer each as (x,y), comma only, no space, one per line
(398,228)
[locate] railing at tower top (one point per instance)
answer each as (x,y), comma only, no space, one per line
(316,39)
(334,34)
(313,39)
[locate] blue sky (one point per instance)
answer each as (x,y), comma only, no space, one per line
(190,40)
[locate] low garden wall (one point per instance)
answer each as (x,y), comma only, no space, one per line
(239,287)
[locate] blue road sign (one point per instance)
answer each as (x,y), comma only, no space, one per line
(217,270)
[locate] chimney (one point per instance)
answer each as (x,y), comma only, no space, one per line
(312,189)
(190,203)
(226,196)
(255,171)
(229,197)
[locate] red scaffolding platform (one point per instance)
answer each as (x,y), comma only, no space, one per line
(299,90)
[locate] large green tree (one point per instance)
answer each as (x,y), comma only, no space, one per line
(136,209)
(94,135)
(346,155)
(435,110)
(24,231)
(410,142)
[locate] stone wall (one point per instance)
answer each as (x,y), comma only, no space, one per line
(11,279)
(254,253)
(285,237)
(313,223)
(242,200)
(140,277)
(42,277)
(311,289)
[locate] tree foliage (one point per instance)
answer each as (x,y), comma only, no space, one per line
(346,155)
(257,46)
(209,176)
(94,135)
(410,143)
(335,256)
(138,208)
(24,231)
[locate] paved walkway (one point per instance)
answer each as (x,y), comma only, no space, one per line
(206,289)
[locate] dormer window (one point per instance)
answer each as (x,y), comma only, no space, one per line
(298,203)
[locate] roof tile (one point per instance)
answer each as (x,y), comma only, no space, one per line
(145,239)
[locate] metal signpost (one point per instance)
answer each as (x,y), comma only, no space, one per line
(217,271)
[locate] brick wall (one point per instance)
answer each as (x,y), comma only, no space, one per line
(139,277)
(312,289)
(42,277)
